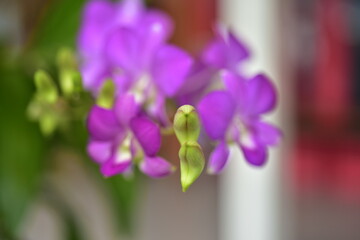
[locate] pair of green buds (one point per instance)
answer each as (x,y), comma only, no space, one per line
(187,130)
(48,105)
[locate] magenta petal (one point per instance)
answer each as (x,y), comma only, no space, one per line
(267,134)
(116,165)
(148,135)
(215,53)
(256,156)
(102,124)
(157,26)
(97,18)
(93,73)
(122,49)
(99,151)
(261,95)
(236,49)
(218,158)
(156,167)
(216,111)
(154,30)
(129,12)
(170,68)
(236,86)
(126,108)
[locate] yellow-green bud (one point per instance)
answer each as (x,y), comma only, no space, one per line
(46,88)
(48,123)
(66,59)
(70,82)
(186,124)
(106,95)
(192,162)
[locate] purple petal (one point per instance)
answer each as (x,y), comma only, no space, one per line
(126,108)
(99,151)
(123,82)
(215,53)
(218,158)
(255,156)
(170,68)
(97,18)
(148,135)
(254,151)
(129,12)
(261,95)
(154,30)
(236,86)
(117,164)
(122,48)
(156,167)
(216,111)
(157,111)
(267,134)
(102,124)
(93,74)
(236,49)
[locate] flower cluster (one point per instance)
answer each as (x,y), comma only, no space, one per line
(128,44)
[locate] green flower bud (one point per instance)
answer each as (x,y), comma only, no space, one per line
(66,59)
(107,95)
(186,124)
(70,82)
(48,123)
(192,162)
(46,88)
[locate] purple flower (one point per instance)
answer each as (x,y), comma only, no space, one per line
(234,115)
(123,135)
(225,51)
(127,43)
(145,65)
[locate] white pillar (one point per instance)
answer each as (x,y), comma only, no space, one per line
(250,197)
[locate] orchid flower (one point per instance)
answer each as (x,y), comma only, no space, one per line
(122,136)
(234,115)
(134,53)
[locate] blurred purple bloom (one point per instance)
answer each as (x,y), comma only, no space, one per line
(225,51)
(122,135)
(127,43)
(148,67)
(234,115)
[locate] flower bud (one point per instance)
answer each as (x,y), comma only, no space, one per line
(186,124)
(192,162)
(46,88)
(70,82)
(106,95)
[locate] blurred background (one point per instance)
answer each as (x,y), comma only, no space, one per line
(309,190)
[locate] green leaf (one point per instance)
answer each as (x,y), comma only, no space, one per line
(186,124)
(21,147)
(192,162)
(46,88)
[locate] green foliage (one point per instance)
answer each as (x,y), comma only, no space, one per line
(21,145)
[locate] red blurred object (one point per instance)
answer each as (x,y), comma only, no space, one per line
(332,72)
(332,166)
